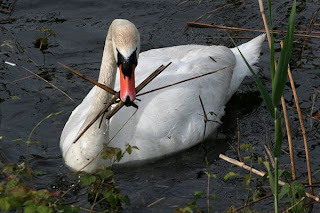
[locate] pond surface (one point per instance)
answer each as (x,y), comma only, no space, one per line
(80,28)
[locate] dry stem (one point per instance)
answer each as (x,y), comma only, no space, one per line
(308,31)
(120,104)
(179,82)
(260,173)
(38,76)
(102,86)
(239,140)
(303,130)
(202,25)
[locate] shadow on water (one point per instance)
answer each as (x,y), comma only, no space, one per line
(80,29)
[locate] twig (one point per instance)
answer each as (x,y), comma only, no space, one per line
(96,197)
(267,146)
(139,88)
(29,76)
(202,25)
(314,99)
(314,118)
(288,129)
(155,202)
(260,173)
(122,126)
(182,2)
(308,32)
(212,11)
(239,140)
(205,119)
(265,23)
(102,86)
(296,99)
(252,202)
(38,76)
(66,192)
(315,89)
(179,82)
(120,104)
(291,207)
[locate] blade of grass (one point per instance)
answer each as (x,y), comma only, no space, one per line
(281,73)
(272,65)
(262,89)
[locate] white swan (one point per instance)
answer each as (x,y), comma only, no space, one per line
(167,120)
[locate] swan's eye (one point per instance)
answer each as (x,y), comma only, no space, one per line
(127,64)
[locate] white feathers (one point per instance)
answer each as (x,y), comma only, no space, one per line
(167,120)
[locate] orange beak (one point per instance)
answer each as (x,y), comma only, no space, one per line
(127,86)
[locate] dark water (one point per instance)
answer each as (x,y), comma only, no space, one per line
(80,28)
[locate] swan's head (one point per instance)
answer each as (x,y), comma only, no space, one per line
(126,48)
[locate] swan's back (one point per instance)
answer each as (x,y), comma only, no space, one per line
(171,119)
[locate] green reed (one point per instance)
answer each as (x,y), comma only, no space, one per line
(279,75)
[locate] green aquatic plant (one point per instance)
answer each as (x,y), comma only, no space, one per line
(17,192)
(16,188)
(43,42)
(279,78)
(101,182)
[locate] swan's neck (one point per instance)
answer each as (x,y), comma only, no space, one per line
(107,77)
(91,143)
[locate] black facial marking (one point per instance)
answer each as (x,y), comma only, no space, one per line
(127,63)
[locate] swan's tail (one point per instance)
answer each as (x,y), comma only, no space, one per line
(251,52)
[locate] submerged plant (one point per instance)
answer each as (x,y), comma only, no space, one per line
(42,42)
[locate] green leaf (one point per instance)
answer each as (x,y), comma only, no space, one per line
(88,179)
(129,149)
(260,161)
(297,189)
(197,195)
(281,73)
(125,199)
(247,158)
(230,175)
(247,179)
(187,209)
(111,198)
(135,147)
(270,176)
(109,153)
(37,142)
(285,189)
(5,203)
(266,97)
(17,140)
(68,209)
(284,173)
(38,172)
(14,97)
(18,192)
(247,147)
(272,58)
(104,172)
(213,176)
(44,209)
(30,209)
(278,137)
